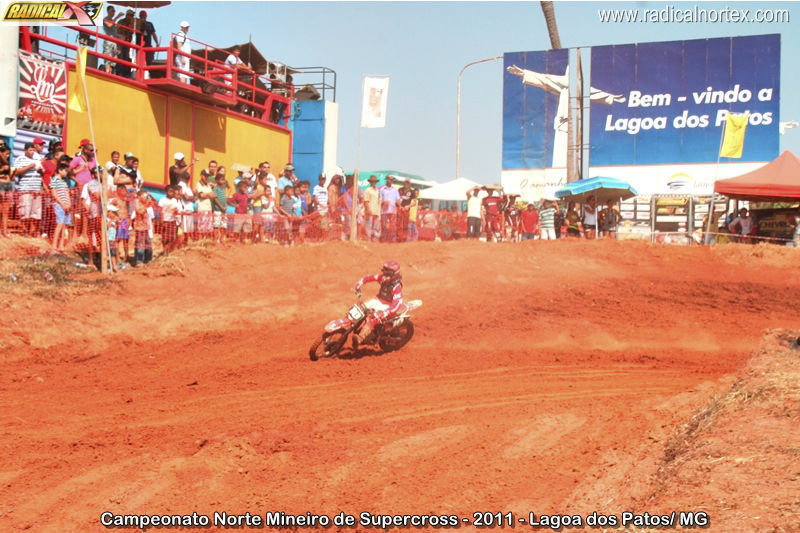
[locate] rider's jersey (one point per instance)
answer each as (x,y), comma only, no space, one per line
(391,291)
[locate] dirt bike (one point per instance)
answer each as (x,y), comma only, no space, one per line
(390,335)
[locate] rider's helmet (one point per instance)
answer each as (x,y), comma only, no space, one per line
(390,269)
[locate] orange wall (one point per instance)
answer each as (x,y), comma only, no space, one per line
(154,126)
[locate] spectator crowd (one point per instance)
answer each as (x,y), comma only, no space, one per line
(58,196)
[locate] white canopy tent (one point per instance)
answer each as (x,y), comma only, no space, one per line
(455,190)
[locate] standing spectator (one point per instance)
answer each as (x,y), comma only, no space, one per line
(125,29)
(122,203)
(178,170)
(511,215)
(611,219)
(742,224)
(573,220)
(91,198)
(412,234)
(62,206)
(38,146)
(113,224)
(143,244)
(49,166)
(5,188)
(473,213)
(220,205)
(590,217)
(346,206)
(29,171)
(256,201)
(110,30)
(170,207)
(270,180)
(286,209)
(405,192)
(212,171)
(390,199)
(181,44)
(127,175)
(83,165)
(111,169)
(287,177)
(529,219)
(372,210)
(268,214)
(204,192)
(547,220)
(334,192)
(186,198)
(242,222)
(493,210)
(146,36)
(320,194)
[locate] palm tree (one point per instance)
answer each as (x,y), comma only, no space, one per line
(552,29)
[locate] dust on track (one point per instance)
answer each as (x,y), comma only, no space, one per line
(538,374)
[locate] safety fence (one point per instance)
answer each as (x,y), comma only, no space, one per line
(70,222)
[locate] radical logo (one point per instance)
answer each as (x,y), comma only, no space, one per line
(70,13)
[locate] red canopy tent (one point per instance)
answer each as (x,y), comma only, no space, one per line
(777,180)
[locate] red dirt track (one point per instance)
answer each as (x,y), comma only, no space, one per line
(543,376)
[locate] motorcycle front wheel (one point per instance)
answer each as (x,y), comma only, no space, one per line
(328,345)
(397,337)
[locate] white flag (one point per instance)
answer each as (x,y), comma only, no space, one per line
(373,104)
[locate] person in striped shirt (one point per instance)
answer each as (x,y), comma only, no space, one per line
(547,220)
(29,171)
(62,205)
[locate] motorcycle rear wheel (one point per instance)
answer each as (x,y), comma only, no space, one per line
(328,345)
(397,337)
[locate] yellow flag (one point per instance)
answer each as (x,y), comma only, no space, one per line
(733,142)
(77,100)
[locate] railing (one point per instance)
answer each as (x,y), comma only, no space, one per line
(211,80)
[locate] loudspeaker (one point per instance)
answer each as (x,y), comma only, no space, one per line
(306,92)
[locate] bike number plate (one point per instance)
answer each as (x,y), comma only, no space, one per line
(355,313)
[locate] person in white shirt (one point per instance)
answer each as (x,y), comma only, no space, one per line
(181,43)
(473,213)
(742,225)
(170,207)
(186,198)
(320,194)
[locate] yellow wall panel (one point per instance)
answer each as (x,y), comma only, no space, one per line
(154,126)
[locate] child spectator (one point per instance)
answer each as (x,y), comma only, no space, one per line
(413,206)
(62,207)
(143,244)
(242,223)
(120,201)
(268,214)
(90,196)
(204,192)
(5,188)
(220,205)
(287,209)
(170,207)
(113,223)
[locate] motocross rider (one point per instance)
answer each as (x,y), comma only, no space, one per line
(388,300)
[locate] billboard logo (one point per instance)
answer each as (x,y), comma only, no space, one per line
(68,13)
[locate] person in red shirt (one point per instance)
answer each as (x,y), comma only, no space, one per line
(242,223)
(529,219)
(493,209)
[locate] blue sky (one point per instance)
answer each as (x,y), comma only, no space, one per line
(423,46)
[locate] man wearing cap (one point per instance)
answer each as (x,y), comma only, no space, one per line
(390,199)
(287,177)
(181,44)
(83,165)
(38,148)
(178,170)
(146,35)
(372,210)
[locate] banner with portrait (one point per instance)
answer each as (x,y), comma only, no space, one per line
(42,94)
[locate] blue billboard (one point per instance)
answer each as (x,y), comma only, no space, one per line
(676,96)
(535,103)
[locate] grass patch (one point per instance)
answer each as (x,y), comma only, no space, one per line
(68,279)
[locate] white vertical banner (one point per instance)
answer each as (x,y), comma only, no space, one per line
(373,101)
